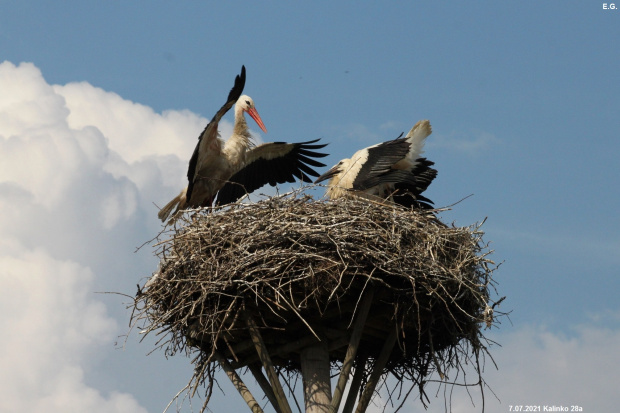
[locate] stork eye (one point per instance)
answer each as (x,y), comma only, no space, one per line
(248,103)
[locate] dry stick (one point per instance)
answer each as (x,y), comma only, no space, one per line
(264,384)
(347,364)
(261,349)
(356,383)
(292,307)
(377,370)
(432,348)
(292,393)
(238,383)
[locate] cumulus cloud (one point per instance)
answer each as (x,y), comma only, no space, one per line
(77,183)
(134,131)
(51,327)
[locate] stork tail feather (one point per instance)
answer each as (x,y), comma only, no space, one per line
(178,202)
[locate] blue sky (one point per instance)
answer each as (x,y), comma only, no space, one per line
(523,98)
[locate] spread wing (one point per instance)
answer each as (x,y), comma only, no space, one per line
(209,134)
(273,163)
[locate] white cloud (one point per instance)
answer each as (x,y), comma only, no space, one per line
(68,384)
(541,367)
(55,165)
(538,367)
(26,101)
(134,131)
(52,326)
(72,211)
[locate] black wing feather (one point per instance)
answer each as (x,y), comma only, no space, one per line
(304,156)
(409,194)
(273,171)
(233,96)
(379,163)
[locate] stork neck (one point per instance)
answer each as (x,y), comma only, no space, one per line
(238,144)
(241,126)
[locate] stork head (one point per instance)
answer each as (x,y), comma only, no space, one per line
(246,104)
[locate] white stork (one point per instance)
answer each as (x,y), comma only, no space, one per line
(390,170)
(233,168)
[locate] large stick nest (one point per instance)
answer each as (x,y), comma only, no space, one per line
(299,267)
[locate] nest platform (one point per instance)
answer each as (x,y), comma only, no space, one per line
(290,272)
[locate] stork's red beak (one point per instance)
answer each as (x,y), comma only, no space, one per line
(254,114)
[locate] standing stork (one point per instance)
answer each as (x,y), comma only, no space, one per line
(390,170)
(233,168)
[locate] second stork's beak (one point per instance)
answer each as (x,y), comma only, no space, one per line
(329,174)
(254,114)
